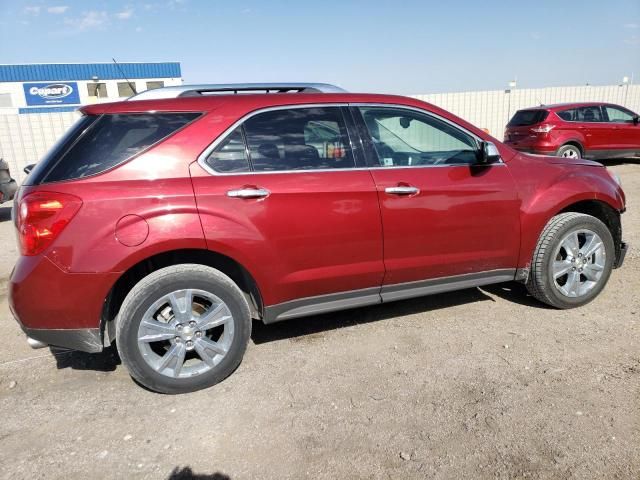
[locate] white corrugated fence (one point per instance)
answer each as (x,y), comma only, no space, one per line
(24,139)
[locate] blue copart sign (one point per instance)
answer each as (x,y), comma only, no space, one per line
(59,93)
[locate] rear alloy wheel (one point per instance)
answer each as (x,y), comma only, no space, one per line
(569,151)
(183,328)
(572,261)
(180,324)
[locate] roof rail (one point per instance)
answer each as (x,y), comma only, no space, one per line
(197,90)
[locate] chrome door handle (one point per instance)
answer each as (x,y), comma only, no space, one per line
(402,190)
(248,193)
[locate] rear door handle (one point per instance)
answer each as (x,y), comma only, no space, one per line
(249,192)
(402,190)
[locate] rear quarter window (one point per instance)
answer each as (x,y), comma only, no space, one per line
(567,115)
(98,143)
(524,118)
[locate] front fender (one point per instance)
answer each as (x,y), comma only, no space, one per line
(576,185)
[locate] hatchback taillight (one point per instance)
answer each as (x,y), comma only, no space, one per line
(41,216)
(544,128)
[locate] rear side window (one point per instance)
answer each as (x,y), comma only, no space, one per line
(589,114)
(568,115)
(523,118)
(231,155)
(97,144)
(298,139)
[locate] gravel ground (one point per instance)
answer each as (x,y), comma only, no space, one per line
(481,383)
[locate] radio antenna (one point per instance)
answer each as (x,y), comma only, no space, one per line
(133,87)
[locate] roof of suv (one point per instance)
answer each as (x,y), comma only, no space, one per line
(246,103)
(563,106)
(207,103)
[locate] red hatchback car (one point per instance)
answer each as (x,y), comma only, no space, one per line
(575,130)
(166,225)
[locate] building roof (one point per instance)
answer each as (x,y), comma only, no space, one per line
(60,72)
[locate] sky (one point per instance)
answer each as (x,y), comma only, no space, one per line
(405,47)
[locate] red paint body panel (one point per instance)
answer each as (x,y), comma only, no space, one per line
(317,232)
(548,185)
(464,220)
(45,297)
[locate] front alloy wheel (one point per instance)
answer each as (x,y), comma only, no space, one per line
(579,263)
(572,261)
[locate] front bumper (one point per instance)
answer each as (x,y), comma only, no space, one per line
(624,246)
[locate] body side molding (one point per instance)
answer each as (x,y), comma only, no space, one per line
(371,296)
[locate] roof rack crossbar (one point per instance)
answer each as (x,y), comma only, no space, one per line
(235,88)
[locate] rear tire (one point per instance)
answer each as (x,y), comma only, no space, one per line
(569,151)
(565,276)
(196,328)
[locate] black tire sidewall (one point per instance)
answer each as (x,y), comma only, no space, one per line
(129,322)
(587,223)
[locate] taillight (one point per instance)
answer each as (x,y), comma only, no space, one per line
(544,128)
(41,217)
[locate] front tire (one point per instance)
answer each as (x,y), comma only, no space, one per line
(572,261)
(183,328)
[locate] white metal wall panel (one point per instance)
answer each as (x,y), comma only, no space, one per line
(24,139)
(493,109)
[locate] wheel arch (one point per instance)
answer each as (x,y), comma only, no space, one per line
(130,277)
(603,212)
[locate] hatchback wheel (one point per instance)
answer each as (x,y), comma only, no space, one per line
(183,328)
(569,151)
(572,261)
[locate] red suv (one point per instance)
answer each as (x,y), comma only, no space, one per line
(589,130)
(168,224)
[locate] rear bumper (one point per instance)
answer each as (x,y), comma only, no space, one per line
(59,308)
(82,339)
(535,150)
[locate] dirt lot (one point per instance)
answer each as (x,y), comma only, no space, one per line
(483,383)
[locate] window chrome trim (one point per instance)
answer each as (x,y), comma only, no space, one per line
(396,106)
(419,110)
(221,138)
(202,158)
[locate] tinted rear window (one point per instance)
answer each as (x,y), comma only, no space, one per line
(523,118)
(98,143)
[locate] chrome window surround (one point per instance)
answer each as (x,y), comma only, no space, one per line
(203,156)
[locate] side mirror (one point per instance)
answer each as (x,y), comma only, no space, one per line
(488,153)
(636,119)
(28,168)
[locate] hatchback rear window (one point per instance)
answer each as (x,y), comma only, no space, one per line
(523,118)
(98,143)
